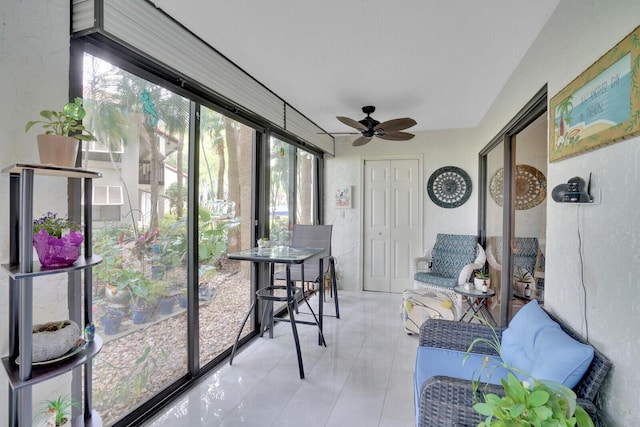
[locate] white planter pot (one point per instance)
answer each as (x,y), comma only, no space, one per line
(479,282)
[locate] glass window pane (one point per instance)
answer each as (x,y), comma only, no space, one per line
(305,195)
(137,287)
(280,190)
(115,195)
(225,188)
(100,196)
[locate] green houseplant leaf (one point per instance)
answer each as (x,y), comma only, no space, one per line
(65,122)
(545,404)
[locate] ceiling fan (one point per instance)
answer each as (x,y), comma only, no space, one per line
(370,127)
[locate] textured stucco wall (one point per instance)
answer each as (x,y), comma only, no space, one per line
(34,75)
(576,35)
(437,149)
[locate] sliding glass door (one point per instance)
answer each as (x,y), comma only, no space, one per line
(224,225)
(139,223)
(512,208)
(182,185)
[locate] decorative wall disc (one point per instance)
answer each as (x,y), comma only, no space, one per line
(531,187)
(449,187)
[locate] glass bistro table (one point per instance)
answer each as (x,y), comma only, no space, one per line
(477,301)
(281,255)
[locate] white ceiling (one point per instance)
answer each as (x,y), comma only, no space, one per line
(440,62)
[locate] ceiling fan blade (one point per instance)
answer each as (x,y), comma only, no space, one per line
(396,136)
(361,141)
(395,125)
(339,133)
(353,123)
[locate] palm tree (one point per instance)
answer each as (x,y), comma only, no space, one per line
(564,110)
(213,124)
(174,111)
(114,95)
(305,179)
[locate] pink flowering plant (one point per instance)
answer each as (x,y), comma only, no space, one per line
(57,240)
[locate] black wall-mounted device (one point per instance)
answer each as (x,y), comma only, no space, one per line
(574,191)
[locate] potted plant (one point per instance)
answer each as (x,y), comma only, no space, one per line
(57,240)
(58,412)
(182,299)
(166,302)
(526,403)
(111,321)
(56,146)
(138,286)
(481,279)
(53,339)
(522,280)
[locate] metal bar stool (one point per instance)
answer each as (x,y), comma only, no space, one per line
(272,293)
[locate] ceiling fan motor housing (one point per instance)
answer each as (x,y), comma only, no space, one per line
(368,121)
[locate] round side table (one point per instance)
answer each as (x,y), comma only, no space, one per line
(477,301)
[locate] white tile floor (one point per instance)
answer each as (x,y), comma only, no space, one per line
(364,377)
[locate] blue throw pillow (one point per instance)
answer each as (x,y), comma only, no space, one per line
(560,358)
(518,340)
(535,344)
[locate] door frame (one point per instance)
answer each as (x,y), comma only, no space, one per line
(412,156)
(527,115)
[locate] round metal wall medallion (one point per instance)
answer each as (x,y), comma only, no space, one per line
(449,187)
(530,186)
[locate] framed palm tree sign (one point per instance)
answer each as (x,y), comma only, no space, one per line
(601,106)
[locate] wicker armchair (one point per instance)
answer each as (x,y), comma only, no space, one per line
(450,263)
(446,401)
(526,256)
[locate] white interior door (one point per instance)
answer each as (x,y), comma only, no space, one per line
(392,233)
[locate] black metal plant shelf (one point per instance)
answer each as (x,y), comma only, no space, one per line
(46,372)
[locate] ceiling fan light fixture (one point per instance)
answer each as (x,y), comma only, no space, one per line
(370,127)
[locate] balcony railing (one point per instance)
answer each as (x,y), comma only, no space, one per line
(144,172)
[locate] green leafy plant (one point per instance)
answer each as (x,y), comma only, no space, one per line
(480,274)
(138,286)
(522,275)
(133,383)
(213,237)
(63,406)
(545,404)
(64,122)
(54,225)
(158,290)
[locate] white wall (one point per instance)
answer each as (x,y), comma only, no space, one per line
(34,75)
(578,33)
(437,149)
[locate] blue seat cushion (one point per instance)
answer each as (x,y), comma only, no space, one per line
(438,361)
(432,279)
(535,344)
